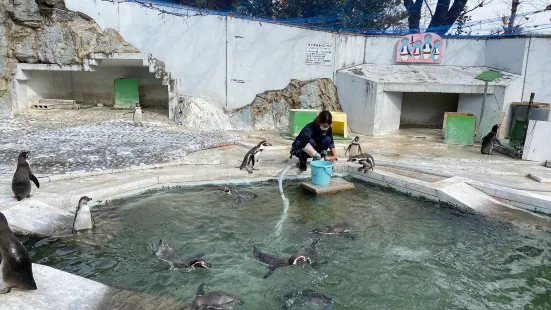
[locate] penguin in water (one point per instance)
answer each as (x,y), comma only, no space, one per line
(489,140)
(167,254)
(137,115)
(305,299)
(275,262)
(212,300)
(341,229)
(21,182)
(239,195)
(252,156)
(15,262)
(354,147)
(83,216)
(366,160)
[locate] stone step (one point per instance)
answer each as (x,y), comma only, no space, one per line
(56,101)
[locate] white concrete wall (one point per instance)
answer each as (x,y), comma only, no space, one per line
(427,108)
(357,101)
(229,60)
(537,146)
(538,68)
(507,54)
(387,113)
(94,87)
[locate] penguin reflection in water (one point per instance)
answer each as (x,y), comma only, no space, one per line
(305,299)
(167,254)
(212,300)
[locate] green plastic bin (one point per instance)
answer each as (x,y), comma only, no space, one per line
(298,118)
(459,128)
(126,94)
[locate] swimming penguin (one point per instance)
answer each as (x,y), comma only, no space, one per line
(275,262)
(337,229)
(354,148)
(212,300)
(239,195)
(252,156)
(21,182)
(15,262)
(366,160)
(167,254)
(137,115)
(305,299)
(83,216)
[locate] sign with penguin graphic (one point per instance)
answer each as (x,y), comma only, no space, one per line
(419,47)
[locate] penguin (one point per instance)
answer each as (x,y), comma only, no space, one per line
(366,160)
(275,262)
(83,216)
(15,263)
(495,128)
(212,300)
(167,254)
(239,195)
(302,298)
(21,182)
(337,229)
(354,147)
(137,115)
(252,156)
(488,143)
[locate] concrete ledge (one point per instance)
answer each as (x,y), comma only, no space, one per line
(335,186)
(522,199)
(541,178)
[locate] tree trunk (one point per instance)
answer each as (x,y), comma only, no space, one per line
(511,24)
(445,16)
(414,14)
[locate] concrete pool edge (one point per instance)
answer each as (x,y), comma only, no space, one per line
(454,191)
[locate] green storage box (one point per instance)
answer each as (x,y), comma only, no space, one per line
(126,94)
(298,118)
(459,128)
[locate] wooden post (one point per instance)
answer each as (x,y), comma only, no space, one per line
(483,105)
(528,113)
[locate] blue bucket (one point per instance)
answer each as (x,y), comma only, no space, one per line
(321,172)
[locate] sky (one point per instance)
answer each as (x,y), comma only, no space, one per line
(495,9)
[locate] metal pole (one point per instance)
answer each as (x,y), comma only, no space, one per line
(483,104)
(528,113)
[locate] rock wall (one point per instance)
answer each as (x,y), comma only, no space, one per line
(45,32)
(269,111)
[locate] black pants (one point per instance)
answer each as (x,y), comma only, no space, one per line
(322,145)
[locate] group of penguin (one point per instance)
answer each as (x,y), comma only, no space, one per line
(354,150)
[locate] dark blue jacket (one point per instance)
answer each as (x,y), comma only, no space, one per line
(321,141)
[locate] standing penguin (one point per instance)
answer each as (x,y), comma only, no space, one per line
(488,143)
(366,160)
(137,115)
(21,182)
(354,148)
(15,262)
(83,216)
(252,156)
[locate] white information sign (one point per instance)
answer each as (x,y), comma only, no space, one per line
(319,54)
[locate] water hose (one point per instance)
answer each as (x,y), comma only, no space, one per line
(279,224)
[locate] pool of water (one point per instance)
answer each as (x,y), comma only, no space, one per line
(409,253)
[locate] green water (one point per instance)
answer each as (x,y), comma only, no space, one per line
(409,253)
